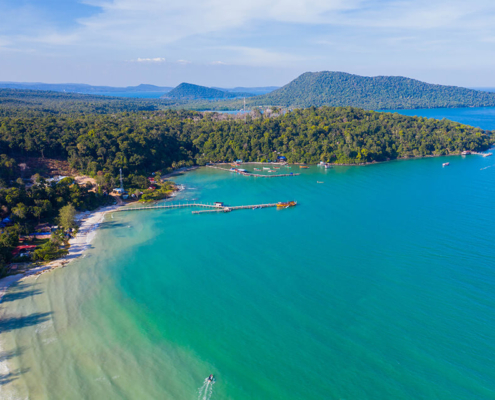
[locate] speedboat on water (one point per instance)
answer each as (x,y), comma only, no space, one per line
(445,164)
(211,378)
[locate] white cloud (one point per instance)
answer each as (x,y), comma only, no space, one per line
(150,60)
(309,34)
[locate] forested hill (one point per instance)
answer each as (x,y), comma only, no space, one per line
(147,141)
(188,91)
(372,93)
(82,88)
(41,103)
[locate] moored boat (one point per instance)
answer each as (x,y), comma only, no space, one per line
(303,166)
(257,169)
(487,154)
(445,164)
(285,204)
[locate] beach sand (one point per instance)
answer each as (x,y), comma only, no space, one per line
(88,224)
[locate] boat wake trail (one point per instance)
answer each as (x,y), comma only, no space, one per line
(206,390)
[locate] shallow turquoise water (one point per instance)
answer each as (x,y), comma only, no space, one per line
(379,285)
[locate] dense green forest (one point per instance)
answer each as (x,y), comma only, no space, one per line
(340,89)
(40,103)
(148,141)
(188,91)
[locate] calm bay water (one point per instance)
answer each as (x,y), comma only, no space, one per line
(380,284)
(481,117)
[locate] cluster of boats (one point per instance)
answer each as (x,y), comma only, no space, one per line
(465,153)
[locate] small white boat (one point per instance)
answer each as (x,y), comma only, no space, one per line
(327,166)
(266,168)
(319,182)
(445,164)
(487,154)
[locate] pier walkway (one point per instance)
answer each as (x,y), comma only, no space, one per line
(167,206)
(233,208)
(255,175)
(212,208)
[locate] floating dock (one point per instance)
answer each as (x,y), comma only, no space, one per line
(255,175)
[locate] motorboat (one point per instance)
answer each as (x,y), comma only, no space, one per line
(286,204)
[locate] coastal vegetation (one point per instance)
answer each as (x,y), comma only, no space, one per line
(27,208)
(142,142)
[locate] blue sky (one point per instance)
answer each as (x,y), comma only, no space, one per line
(253,43)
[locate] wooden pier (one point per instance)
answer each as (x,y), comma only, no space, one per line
(212,208)
(167,206)
(233,208)
(255,175)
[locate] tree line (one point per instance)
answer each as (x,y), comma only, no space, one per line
(146,141)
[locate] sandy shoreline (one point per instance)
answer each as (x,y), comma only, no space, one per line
(88,224)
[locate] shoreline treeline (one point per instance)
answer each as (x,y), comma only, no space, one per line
(146,141)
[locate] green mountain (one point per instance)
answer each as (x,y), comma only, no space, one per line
(188,91)
(373,93)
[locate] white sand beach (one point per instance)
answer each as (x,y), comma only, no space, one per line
(88,224)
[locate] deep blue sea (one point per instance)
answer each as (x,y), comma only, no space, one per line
(482,117)
(380,284)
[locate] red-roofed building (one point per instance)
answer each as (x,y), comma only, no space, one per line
(23,248)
